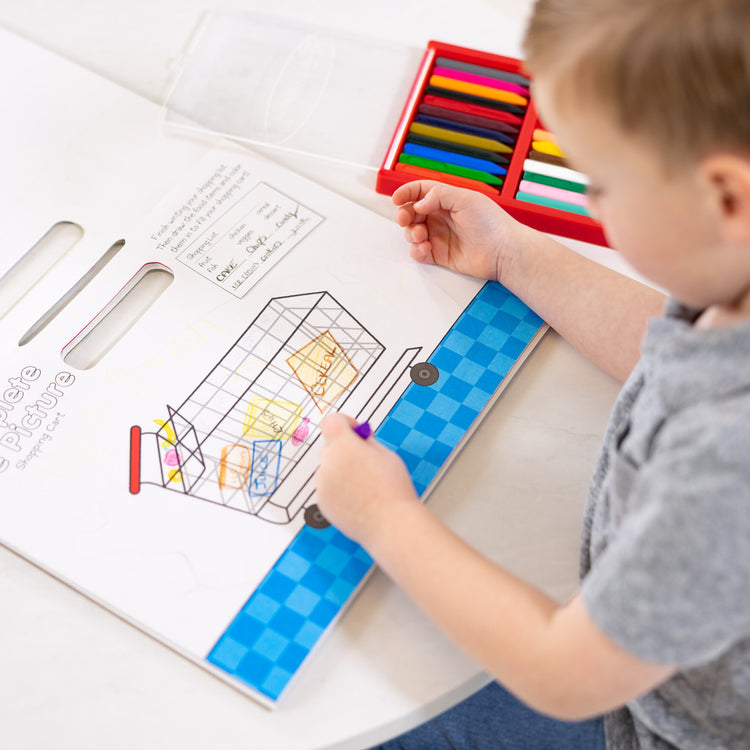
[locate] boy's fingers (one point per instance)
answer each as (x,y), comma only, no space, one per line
(406,193)
(422,252)
(412,191)
(438,197)
(334,424)
(416,233)
(405,216)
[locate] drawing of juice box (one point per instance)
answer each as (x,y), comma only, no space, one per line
(242,438)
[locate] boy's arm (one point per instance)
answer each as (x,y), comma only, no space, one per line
(553,657)
(599,311)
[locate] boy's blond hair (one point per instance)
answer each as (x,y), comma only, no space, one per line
(676,72)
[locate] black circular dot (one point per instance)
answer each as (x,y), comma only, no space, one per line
(424,373)
(314,518)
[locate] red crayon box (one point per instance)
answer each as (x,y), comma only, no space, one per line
(470,120)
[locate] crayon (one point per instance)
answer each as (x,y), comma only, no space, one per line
(551,203)
(363,430)
(462,75)
(507,118)
(543,179)
(456,137)
(554,170)
(450,157)
(547,147)
(547,158)
(540,134)
(441,166)
(548,191)
(482,70)
(468,119)
(459,148)
(482,101)
(422,173)
(439,122)
(475,89)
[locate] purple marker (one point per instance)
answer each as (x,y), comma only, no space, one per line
(363,430)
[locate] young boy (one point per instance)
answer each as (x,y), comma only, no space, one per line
(652,101)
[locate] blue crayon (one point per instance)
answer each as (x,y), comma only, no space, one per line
(459,148)
(450,157)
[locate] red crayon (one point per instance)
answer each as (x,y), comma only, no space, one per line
(422,173)
(467,119)
(472,109)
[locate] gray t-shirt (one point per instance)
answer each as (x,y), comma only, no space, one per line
(665,560)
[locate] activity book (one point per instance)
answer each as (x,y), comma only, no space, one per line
(177,315)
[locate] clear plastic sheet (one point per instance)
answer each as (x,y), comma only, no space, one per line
(273,83)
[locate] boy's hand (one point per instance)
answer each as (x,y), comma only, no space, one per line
(461,229)
(360,483)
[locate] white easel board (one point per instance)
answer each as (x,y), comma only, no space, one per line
(169,477)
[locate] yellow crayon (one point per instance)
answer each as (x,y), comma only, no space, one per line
(545,147)
(454,136)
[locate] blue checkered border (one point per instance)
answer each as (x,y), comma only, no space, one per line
(308,586)
(474,357)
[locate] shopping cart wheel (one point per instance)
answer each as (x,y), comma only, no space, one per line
(314,518)
(424,373)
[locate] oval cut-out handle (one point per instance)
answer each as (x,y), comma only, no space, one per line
(37,261)
(57,307)
(118,317)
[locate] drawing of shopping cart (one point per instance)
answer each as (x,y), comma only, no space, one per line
(242,438)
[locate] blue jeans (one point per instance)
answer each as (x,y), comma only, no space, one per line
(492,719)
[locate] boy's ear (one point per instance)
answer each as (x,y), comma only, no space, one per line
(728,179)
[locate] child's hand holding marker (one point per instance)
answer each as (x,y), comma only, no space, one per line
(361,485)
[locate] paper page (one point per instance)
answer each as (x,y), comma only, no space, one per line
(171,480)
